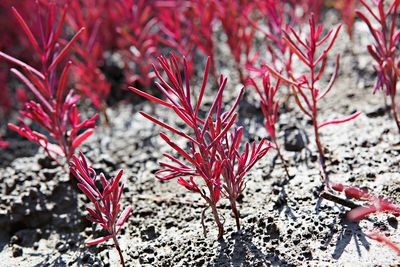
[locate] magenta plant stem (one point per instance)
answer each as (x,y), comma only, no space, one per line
(121,257)
(284,163)
(321,155)
(235,213)
(217,220)
(304,86)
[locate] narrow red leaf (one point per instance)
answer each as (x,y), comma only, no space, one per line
(98,240)
(338,121)
(65,50)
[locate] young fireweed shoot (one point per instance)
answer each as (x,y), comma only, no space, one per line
(383,26)
(55,105)
(106,202)
(270,108)
(137,40)
(239,33)
(213,166)
(304,86)
(90,81)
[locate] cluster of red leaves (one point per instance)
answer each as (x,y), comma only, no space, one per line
(90,80)
(278,17)
(375,204)
(186,26)
(106,204)
(240,34)
(175,29)
(19,47)
(269,105)
(214,153)
(201,14)
(305,85)
(347,9)
(138,39)
(306,8)
(55,110)
(270,109)
(384,51)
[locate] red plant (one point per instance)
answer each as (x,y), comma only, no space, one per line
(187,25)
(90,81)
(201,16)
(55,110)
(347,9)
(308,7)
(213,147)
(138,42)
(375,204)
(384,240)
(304,86)
(233,15)
(106,202)
(270,108)
(175,29)
(3,144)
(385,48)
(276,17)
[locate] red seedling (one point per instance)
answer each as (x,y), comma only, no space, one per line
(279,16)
(384,240)
(90,80)
(240,34)
(374,204)
(347,9)
(138,42)
(55,110)
(201,16)
(175,28)
(304,86)
(106,202)
(270,108)
(213,148)
(385,48)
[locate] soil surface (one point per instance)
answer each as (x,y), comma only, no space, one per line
(42,211)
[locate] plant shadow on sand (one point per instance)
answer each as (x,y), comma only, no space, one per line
(239,250)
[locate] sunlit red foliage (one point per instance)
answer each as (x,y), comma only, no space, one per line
(213,152)
(89,52)
(107,208)
(383,26)
(304,85)
(55,106)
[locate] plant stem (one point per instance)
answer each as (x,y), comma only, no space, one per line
(321,156)
(217,220)
(278,149)
(235,213)
(104,112)
(241,76)
(121,257)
